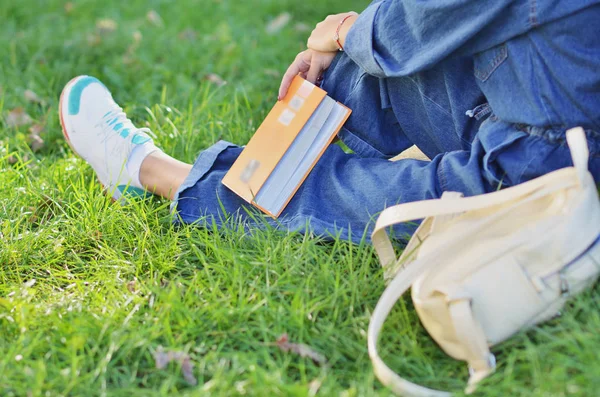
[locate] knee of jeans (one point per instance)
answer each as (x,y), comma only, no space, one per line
(342,77)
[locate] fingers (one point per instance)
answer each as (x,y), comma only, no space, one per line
(310,65)
(300,65)
(315,69)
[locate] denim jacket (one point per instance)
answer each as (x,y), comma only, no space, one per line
(537,62)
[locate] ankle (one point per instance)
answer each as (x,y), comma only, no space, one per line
(163,175)
(137,158)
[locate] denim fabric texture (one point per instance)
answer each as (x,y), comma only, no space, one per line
(536,61)
(488,99)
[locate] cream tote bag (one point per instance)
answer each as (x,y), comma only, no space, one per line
(485,267)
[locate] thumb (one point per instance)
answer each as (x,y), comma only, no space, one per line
(300,65)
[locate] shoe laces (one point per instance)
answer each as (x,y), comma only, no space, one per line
(116,121)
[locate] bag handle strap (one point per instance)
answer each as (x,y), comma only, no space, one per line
(552,182)
(579,152)
(469,332)
(388,299)
(558,180)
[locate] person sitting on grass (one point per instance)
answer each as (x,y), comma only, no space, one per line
(486,89)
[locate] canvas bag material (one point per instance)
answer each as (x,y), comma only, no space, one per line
(483,268)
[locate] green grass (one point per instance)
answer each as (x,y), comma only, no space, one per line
(113,283)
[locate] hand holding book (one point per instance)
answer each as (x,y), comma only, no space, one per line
(310,65)
(323,44)
(286,147)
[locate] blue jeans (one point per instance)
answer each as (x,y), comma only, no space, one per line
(441,110)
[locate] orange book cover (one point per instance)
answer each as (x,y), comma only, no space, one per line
(273,138)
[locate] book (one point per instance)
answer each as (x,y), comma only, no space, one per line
(286,147)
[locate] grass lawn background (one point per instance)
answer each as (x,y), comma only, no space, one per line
(90,290)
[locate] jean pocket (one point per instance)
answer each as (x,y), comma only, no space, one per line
(486,62)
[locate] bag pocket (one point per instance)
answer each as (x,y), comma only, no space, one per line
(486,62)
(578,274)
(504,299)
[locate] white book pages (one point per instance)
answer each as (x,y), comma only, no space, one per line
(300,156)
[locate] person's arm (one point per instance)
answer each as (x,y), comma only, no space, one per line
(322,48)
(399,37)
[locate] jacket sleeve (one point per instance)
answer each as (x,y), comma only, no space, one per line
(394,38)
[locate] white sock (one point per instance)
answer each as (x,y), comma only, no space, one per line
(135,160)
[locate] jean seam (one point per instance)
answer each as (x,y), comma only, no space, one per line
(520,178)
(533,21)
(442,177)
(356,84)
(352,136)
(348,132)
(486,73)
(440,107)
(332,70)
(352,91)
(542,133)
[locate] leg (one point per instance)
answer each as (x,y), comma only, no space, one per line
(162,174)
(371,115)
(389,115)
(341,196)
(344,193)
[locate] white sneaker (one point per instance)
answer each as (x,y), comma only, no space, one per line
(99,132)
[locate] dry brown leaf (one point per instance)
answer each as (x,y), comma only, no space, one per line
(272,73)
(43,211)
(18,117)
(215,79)
(35,141)
(37,129)
(31,96)
(93,39)
(188,34)
(137,37)
(301,27)
(132,286)
(129,56)
(128,59)
(278,23)
(105,26)
(299,348)
(163,358)
(154,18)
(314,386)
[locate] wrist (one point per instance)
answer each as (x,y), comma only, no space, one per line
(343,30)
